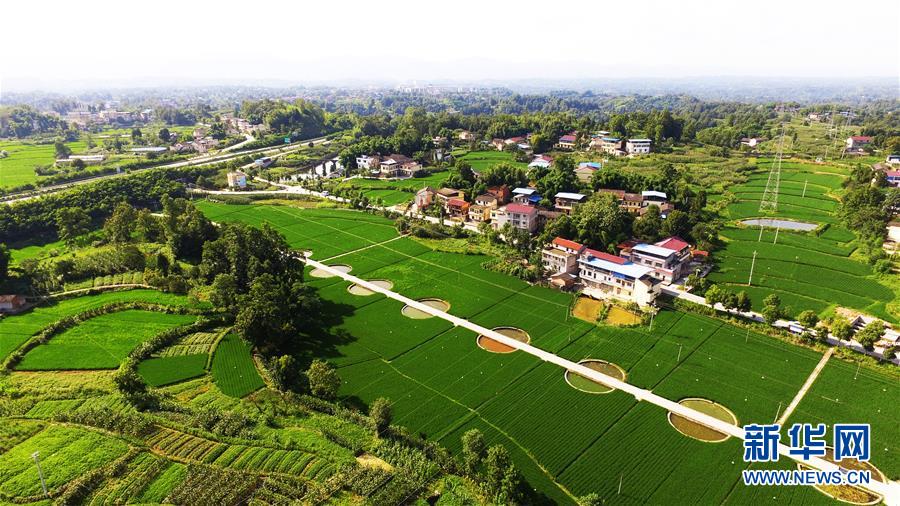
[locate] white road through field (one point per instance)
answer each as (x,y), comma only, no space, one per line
(890,491)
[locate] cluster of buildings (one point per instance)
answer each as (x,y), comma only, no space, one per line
(82,118)
(201,143)
(601,141)
(235,125)
(389,166)
(521,207)
(634,275)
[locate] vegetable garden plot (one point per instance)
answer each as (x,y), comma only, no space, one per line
(119,490)
(49,409)
(192,344)
(843,394)
(66,453)
(101,342)
(417,407)
(167,370)
(232,369)
(161,486)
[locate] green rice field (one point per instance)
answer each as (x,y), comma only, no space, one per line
(791,264)
(566,442)
(167,370)
(233,370)
(16,329)
(18,168)
(101,342)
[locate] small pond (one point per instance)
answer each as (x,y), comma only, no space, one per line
(785,224)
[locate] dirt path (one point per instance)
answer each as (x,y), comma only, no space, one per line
(806,386)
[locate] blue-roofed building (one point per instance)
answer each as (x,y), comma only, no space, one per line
(610,276)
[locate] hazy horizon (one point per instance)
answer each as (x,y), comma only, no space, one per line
(184,44)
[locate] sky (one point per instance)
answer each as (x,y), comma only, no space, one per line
(163,42)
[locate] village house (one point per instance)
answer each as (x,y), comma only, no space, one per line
(541,162)
(893,159)
(425,197)
(487,200)
(466,135)
(521,216)
(237,179)
(520,142)
(498,144)
(445,194)
(479,213)
(637,146)
(856,143)
(585,170)
(458,209)
(669,259)
(499,218)
(561,255)
(566,202)
(11,303)
(502,193)
(818,116)
(567,141)
(368,162)
(616,277)
(632,202)
(527,196)
(398,166)
(609,145)
(893,177)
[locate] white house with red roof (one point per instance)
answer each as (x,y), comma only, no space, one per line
(561,256)
(857,142)
(608,275)
(541,161)
(669,259)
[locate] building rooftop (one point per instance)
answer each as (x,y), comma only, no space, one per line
(654,250)
(652,193)
(626,269)
(565,243)
(524,191)
(570,196)
(639,140)
(520,209)
(673,243)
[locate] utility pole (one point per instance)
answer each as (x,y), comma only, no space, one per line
(36,456)
(752,264)
(778,412)
(804,187)
(621,476)
(776,235)
(747,337)
(679,354)
(855,375)
(760,231)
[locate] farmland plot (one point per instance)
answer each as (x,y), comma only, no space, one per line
(233,370)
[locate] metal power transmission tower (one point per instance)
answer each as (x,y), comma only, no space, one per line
(769,200)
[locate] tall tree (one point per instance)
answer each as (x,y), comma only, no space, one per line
(323,379)
(121,223)
(72,222)
(648,227)
(4,262)
(381,412)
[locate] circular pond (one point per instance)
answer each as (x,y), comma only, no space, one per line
(363,291)
(494,346)
(418,314)
(322,273)
(590,386)
(697,431)
(800,226)
(848,493)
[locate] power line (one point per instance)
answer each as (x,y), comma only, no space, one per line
(769,200)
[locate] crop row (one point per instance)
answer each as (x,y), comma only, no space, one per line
(191,344)
(141,471)
(258,459)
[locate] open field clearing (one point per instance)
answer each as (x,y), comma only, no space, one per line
(232,367)
(441,382)
(16,329)
(481,160)
(101,342)
(18,168)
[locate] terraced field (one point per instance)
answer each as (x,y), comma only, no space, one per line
(101,342)
(15,330)
(567,442)
(792,264)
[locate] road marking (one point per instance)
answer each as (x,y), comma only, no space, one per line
(809,381)
(889,491)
